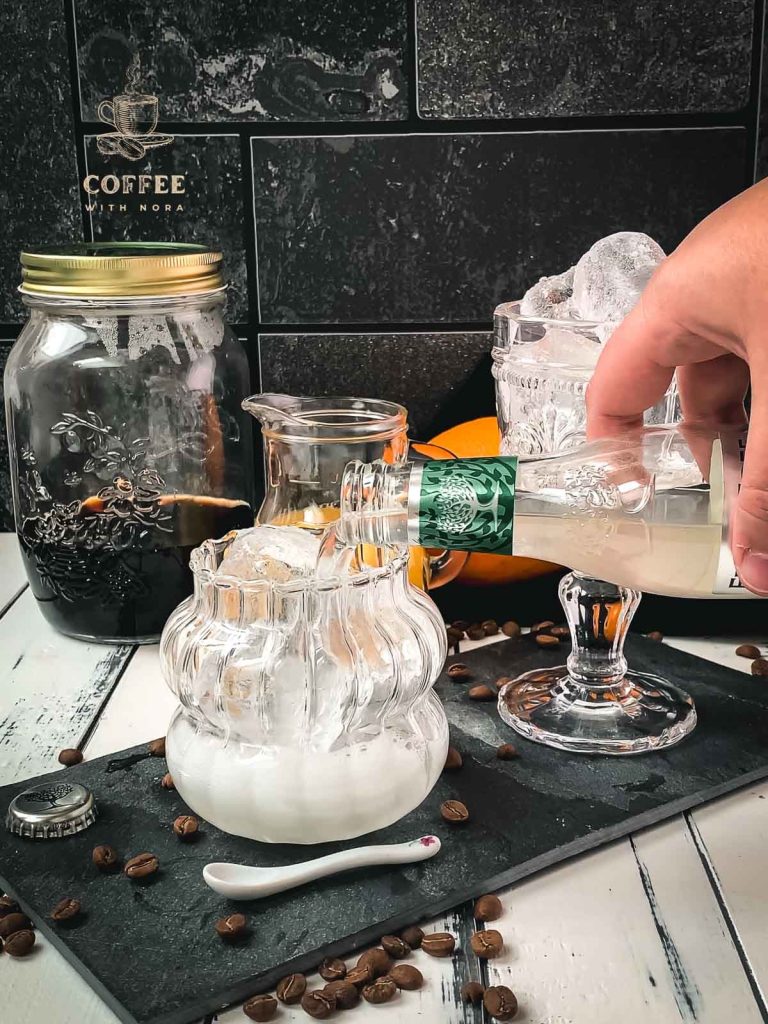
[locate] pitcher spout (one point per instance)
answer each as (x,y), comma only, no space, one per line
(275,411)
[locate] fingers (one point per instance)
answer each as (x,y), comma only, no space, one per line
(636,366)
(712,393)
(749,531)
(629,377)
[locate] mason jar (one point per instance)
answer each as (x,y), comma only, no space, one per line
(128,445)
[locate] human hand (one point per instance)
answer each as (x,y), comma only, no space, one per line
(704,312)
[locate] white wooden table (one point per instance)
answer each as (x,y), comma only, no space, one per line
(668,925)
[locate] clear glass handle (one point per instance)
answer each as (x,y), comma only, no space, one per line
(598,616)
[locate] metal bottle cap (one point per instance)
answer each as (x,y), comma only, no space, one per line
(51,811)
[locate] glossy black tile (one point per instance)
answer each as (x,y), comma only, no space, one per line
(38,169)
(307,60)
(443,227)
(208,210)
(517,58)
(441,379)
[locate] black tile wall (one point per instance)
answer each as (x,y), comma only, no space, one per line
(441,379)
(284,60)
(443,227)
(517,58)
(379,173)
(209,211)
(38,169)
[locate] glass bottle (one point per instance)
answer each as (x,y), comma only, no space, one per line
(128,446)
(645,511)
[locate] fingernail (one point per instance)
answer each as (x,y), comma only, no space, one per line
(753,571)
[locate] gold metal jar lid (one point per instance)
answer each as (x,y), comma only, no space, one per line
(120,269)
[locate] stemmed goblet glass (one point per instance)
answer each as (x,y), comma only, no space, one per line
(594,703)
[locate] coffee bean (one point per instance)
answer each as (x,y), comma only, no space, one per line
(476,632)
(412,936)
(260,1008)
(378,959)
(487,944)
(510,629)
(502,681)
(186,827)
(142,865)
(481,693)
(655,634)
(540,627)
(748,651)
(345,994)
(65,909)
(454,811)
(20,943)
(488,908)
(318,1004)
(380,991)
(105,858)
(291,988)
(547,640)
(507,752)
(157,747)
(500,1002)
(461,624)
(407,977)
(8,906)
(396,947)
(332,969)
(459,672)
(360,975)
(760,667)
(560,631)
(231,927)
(490,627)
(167,781)
(454,635)
(472,992)
(453,760)
(14,923)
(70,756)
(438,944)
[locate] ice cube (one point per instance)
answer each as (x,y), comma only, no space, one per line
(565,348)
(273,552)
(611,276)
(550,297)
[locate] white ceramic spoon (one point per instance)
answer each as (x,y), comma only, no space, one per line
(241,882)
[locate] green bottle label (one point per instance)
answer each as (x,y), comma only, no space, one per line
(467,504)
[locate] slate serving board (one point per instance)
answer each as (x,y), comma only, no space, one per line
(150,949)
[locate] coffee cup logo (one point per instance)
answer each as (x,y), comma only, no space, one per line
(134,115)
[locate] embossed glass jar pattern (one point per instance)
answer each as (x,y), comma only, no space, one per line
(127,443)
(307,710)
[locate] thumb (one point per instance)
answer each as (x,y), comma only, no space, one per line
(749,535)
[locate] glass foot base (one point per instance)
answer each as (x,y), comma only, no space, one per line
(639,714)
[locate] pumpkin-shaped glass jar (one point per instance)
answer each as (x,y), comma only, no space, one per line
(307,706)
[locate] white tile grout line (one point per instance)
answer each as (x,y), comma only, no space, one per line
(361,334)
(255,244)
(415,55)
(759,87)
(470,133)
(77,59)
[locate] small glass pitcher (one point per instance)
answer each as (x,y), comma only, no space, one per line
(309,441)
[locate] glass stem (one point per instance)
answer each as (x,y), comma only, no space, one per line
(598,616)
